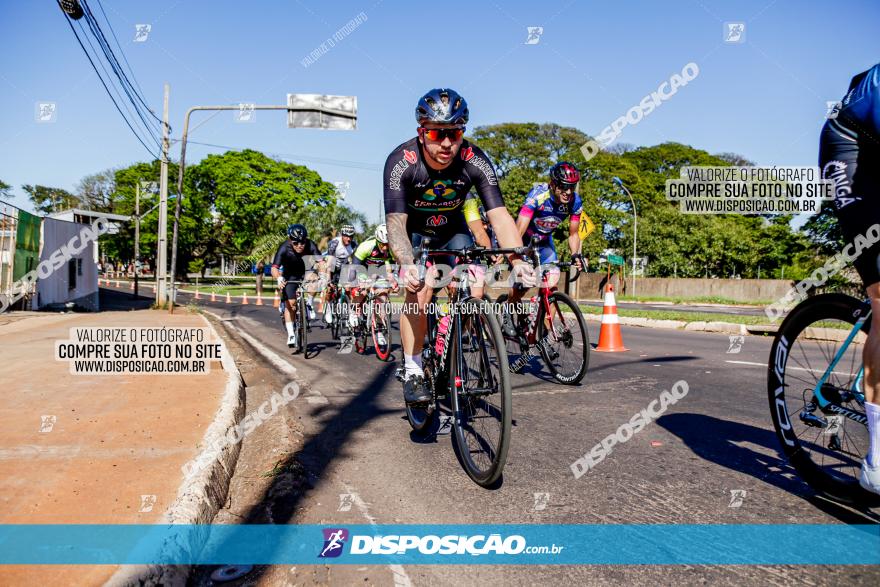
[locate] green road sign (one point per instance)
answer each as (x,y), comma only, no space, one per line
(615,259)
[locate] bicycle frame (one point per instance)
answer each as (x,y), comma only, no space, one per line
(462,291)
(544,292)
(857,384)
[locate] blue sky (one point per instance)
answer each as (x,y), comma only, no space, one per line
(764,98)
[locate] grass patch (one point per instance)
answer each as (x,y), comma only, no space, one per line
(696,300)
(683,316)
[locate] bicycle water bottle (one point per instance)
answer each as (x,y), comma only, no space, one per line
(442,328)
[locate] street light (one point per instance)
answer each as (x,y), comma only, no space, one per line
(303,110)
(619,182)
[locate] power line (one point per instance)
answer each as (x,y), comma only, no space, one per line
(128,109)
(324,160)
(89,57)
(115,66)
(114,62)
(113,32)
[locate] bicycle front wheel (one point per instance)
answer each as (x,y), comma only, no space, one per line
(825,447)
(380,327)
(303,322)
(563,340)
(480,391)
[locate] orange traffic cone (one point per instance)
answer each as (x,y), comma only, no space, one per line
(277,302)
(244,300)
(610,340)
(131,286)
(213,296)
(228,298)
(259,301)
(154,288)
(117,283)
(198,297)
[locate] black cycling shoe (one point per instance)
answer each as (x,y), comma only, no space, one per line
(415,391)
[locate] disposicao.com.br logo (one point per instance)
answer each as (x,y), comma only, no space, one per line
(452,544)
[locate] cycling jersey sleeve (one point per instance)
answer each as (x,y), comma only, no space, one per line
(577,208)
(471,209)
(862,103)
(399,163)
(278,261)
(364,250)
(530,204)
(482,174)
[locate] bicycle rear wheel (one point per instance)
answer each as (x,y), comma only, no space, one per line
(362,331)
(565,342)
(333,315)
(480,391)
(380,322)
(302,324)
(825,448)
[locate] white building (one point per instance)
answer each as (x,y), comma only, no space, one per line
(77,280)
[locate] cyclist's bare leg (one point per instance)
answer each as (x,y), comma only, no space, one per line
(289,310)
(870,477)
(872,349)
(414,324)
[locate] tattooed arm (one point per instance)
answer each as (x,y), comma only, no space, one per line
(398,239)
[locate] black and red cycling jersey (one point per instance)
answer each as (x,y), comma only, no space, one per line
(433,199)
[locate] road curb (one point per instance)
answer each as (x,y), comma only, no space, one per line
(204,491)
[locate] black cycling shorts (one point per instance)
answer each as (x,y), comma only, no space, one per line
(290,289)
(854,165)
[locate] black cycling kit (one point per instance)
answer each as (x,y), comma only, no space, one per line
(433,199)
(849,154)
(292,265)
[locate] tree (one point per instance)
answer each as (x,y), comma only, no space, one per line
(98,191)
(48,199)
(254,195)
(5,190)
(823,229)
(324,221)
(735,159)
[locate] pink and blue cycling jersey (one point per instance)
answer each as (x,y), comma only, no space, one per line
(545,215)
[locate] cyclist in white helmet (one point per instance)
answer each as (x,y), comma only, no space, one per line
(339,253)
(373,252)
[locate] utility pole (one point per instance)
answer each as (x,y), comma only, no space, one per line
(162,244)
(137,235)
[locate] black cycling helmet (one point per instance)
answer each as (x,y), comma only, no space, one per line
(297,233)
(443,106)
(564,173)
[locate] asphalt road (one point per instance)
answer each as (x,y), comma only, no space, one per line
(356,461)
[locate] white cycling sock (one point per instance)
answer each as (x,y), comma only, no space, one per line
(872,411)
(289,326)
(412,365)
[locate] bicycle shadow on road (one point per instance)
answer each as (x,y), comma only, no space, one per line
(294,476)
(716,440)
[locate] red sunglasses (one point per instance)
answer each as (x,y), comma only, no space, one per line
(438,134)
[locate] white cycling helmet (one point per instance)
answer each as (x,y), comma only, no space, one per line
(382,234)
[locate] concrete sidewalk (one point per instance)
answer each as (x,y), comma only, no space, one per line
(96,449)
